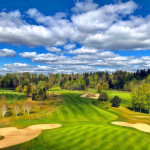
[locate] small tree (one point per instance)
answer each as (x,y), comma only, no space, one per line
(42,95)
(28,105)
(16,108)
(27,89)
(105,86)
(116,101)
(3,107)
(103,97)
(100,88)
(18,88)
(24,106)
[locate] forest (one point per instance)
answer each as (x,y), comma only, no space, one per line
(36,85)
(120,80)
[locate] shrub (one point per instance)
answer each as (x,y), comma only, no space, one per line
(18,88)
(116,101)
(103,97)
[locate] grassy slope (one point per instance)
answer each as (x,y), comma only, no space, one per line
(125,96)
(12,96)
(85,126)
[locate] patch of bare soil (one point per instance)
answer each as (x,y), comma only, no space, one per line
(139,126)
(93,96)
(13,136)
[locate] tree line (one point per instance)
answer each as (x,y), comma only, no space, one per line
(120,80)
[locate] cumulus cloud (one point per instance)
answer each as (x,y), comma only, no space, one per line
(83,50)
(84,6)
(69,46)
(102,18)
(47,58)
(96,56)
(23,67)
(99,31)
(93,27)
(16,65)
(53,49)
(7,53)
(28,54)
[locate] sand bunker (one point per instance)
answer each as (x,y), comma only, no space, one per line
(13,136)
(139,126)
(142,116)
(93,96)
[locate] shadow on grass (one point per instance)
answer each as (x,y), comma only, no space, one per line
(1,137)
(138,110)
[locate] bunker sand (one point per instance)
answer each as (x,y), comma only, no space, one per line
(13,136)
(93,96)
(139,126)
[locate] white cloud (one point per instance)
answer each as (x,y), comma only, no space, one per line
(96,56)
(53,49)
(98,30)
(47,58)
(102,18)
(17,65)
(69,46)
(28,54)
(7,53)
(84,6)
(83,50)
(94,27)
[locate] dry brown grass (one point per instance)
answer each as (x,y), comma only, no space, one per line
(39,111)
(130,116)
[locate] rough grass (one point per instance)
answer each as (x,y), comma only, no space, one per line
(85,126)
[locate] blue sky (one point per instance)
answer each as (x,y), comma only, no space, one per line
(42,36)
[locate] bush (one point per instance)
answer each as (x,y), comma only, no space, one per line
(18,88)
(103,97)
(116,101)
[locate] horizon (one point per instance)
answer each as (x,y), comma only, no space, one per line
(74,36)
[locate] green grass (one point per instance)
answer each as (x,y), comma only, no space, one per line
(85,127)
(88,136)
(12,96)
(125,96)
